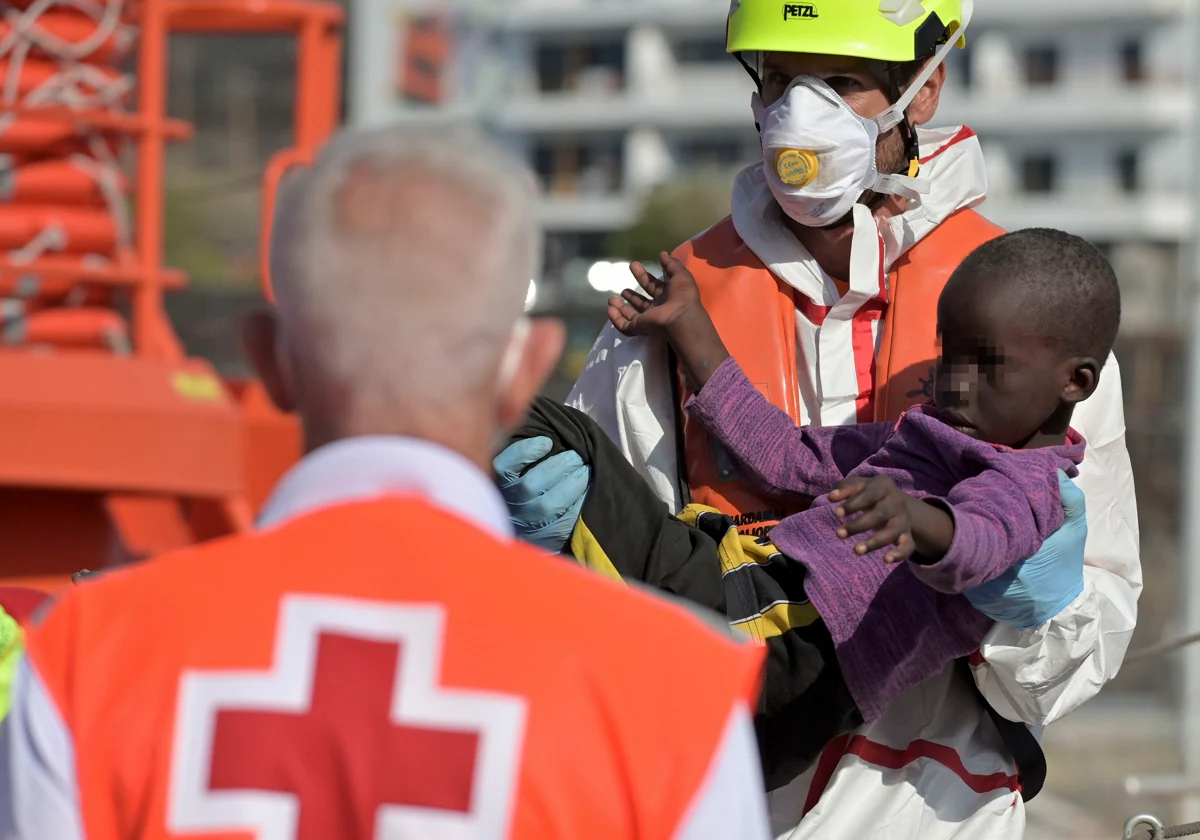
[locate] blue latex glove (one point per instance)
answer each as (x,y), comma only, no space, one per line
(1035,590)
(544,503)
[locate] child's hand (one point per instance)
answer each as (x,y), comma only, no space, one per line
(673,309)
(634,314)
(885,509)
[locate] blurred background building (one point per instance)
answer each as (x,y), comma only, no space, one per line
(635,120)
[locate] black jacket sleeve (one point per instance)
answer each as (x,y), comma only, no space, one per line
(626,529)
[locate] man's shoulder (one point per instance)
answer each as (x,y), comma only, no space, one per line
(964,230)
(109,595)
(722,231)
(717,253)
(394,550)
(435,546)
(622,634)
(931,261)
(712,245)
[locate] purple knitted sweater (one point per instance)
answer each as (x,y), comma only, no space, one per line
(893,625)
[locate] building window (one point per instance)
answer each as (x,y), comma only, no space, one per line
(576,168)
(551,68)
(1133,69)
(1127,171)
(701,51)
(1041,65)
(720,152)
(1038,173)
(597,66)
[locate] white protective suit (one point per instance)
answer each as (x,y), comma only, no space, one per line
(933,766)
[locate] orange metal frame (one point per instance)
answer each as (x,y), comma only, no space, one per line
(108,459)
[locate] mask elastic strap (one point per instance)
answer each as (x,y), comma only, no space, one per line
(902,185)
(893,116)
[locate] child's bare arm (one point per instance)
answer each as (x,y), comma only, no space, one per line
(780,457)
(673,310)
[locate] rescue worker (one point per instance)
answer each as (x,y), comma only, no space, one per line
(382,659)
(823,284)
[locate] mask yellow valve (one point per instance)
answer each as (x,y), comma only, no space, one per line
(797,167)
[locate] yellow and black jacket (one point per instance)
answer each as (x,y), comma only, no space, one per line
(625,532)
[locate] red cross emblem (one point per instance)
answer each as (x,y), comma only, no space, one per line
(348,735)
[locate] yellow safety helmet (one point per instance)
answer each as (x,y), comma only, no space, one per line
(894,31)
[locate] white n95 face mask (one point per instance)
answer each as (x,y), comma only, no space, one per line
(819,155)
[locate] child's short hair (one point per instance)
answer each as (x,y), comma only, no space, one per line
(1078,298)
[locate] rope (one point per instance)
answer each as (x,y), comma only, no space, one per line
(51,238)
(1162,648)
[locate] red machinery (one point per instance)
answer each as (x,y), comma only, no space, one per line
(114,445)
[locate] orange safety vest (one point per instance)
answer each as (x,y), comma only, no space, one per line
(755,313)
(384,656)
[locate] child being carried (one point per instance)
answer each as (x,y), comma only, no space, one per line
(956,492)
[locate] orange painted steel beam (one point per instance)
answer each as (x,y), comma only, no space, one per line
(318,71)
(148,525)
(152,333)
(266,16)
(98,422)
(273,441)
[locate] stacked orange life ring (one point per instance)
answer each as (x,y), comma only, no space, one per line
(62,193)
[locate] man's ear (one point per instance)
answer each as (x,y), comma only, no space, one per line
(1083,377)
(925,105)
(543,348)
(259,331)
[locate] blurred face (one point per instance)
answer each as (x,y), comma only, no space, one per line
(860,82)
(998,380)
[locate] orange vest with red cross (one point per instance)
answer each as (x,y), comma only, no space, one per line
(755,313)
(383,664)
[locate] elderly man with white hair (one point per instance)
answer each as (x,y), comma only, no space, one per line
(381,659)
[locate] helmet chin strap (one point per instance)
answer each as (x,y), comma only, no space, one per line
(753,75)
(751,70)
(896,114)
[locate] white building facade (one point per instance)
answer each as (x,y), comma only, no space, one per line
(1084,108)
